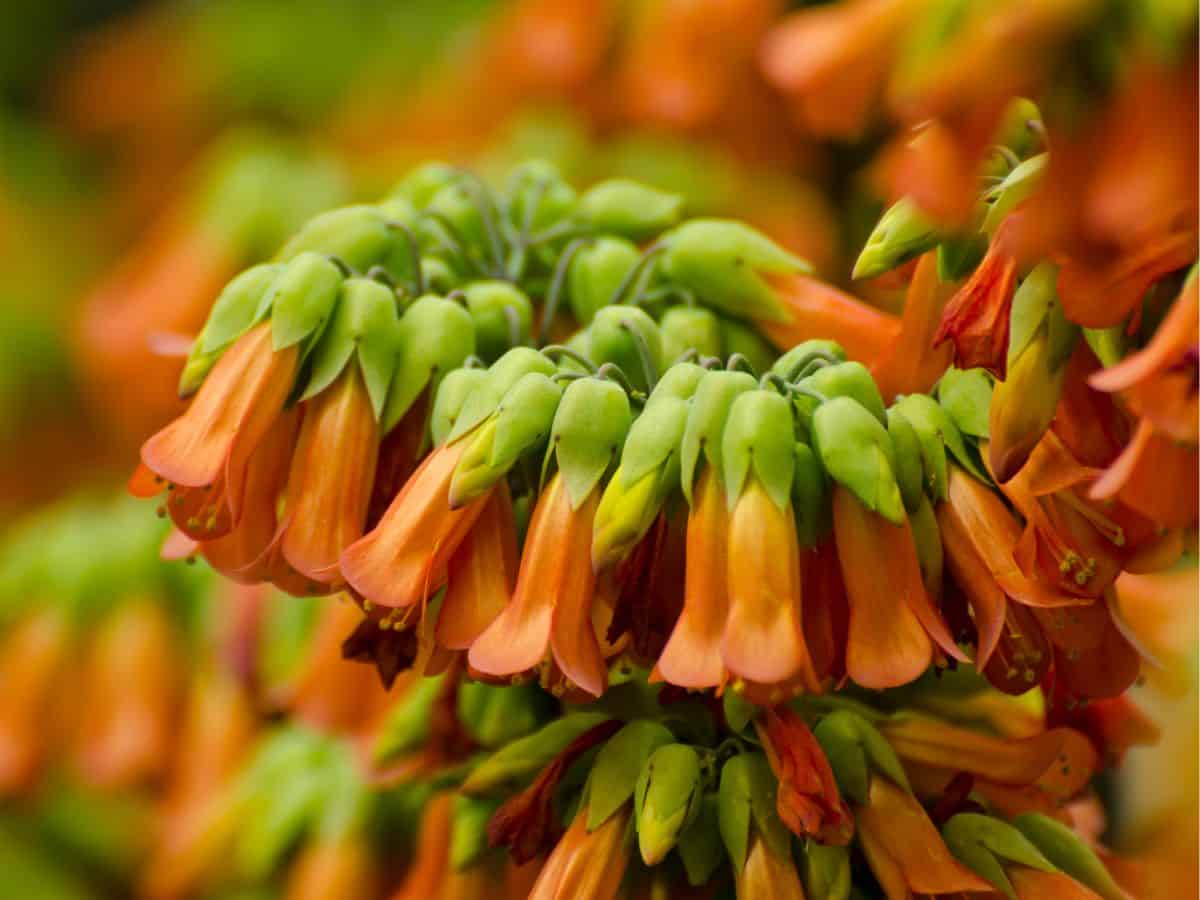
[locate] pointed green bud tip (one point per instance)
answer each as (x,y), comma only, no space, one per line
(436,336)
(707,414)
(357,235)
(589,430)
(1068,851)
(629,208)
(196,369)
(1017,186)
(502,316)
(302,298)
(846,379)
(666,800)
(596,272)
(538,195)
(501,376)
(903,232)
(984,845)
(910,469)
(722,263)
(244,302)
(856,451)
(421,184)
(452,394)
(474,475)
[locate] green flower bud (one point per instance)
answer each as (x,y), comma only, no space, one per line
(454,212)
(679,382)
(406,727)
(243,303)
(468,829)
(502,316)
(720,261)
(687,328)
(517,761)
(440,276)
(452,393)
(984,844)
(759,435)
(705,427)
(810,498)
(700,843)
(357,235)
(826,871)
(538,196)
(629,208)
(595,274)
(618,765)
(667,799)
(627,337)
(857,453)
(934,432)
(847,379)
(738,337)
(1065,849)
(501,376)
(1017,186)
(903,233)
(928,539)
(966,396)
(812,354)
(421,185)
(436,336)
(746,797)
(493,715)
(365,324)
(521,423)
(910,468)
(302,298)
(589,430)
(1021,128)
(855,750)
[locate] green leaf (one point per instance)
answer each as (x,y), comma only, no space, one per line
(435,336)
(1066,850)
(966,395)
(519,760)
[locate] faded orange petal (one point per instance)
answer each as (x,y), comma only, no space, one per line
(431,859)
(1156,477)
(767,876)
(586,865)
(573,637)
(818,310)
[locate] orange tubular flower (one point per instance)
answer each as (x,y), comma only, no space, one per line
(203,454)
(1033,884)
(550,615)
(692,657)
(831,61)
(904,849)
(893,622)
(31,657)
(817,310)
(809,802)
(913,365)
(766,875)
(404,560)
(586,865)
(976,320)
(340,866)
(1155,476)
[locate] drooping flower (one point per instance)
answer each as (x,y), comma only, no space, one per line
(1154,475)
(768,875)
(815,310)
(912,364)
(588,865)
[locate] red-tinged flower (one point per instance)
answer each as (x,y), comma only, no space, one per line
(1021,652)
(808,802)
(32,655)
(826,611)
(976,319)
(586,865)
(904,849)
(548,624)
(1155,476)
(404,560)
(913,365)
(1160,381)
(767,875)
(1106,669)
(1088,421)
(894,624)
(526,822)
(203,455)
(692,655)
(831,61)
(342,865)
(937,168)
(818,310)
(130,686)
(650,590)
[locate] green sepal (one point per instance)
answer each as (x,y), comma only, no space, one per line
(983,844)
(589,430)
(934,432)
(792,363)
(1017,186)
(238,308)
(613,337)
(615,772)
(747,796)
(1035,309)
(910,467)
(810,498)
(455,204)
(435,336)
(720,261)
(501,376)
(595,274)
(705,427)
(196,368)
(666,799)
(690,328)
(846,379)
(515,762)
(406,727)
(966,396)
(855,749)
(628,208)
(654,437)
(421,184)
(826,871)
(857,453)
(1065,849)
(487,302)
(700,843)
(759,437)
(903,232)
(357,235)
(494,715)
(738,711)
(679,382)
(452,394)
(741,338)
(302,298)
(468,829)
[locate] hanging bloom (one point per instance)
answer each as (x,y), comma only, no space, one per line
(767,875)
(588,865)
(1155,476)
(816,310)
(808,802)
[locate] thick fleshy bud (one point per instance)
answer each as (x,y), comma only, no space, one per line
(357,235)
(847,379)
(747,799)
(744,340)
(855,749)
(667,799)
(627,337)
(538,196)
(966,397)
(1016,187)
(452,394)
(687,328)
(520,424)
(1069,852)
(984,844)
(628,208)
(502,316)
(422,183)
(705,427)
(455,213)
(302,298)
(934,432)
(522,758)
(720,261)
(759,441)
(857,452)
(596,273)
(501,376)
(618,765)
(903,233)
(826,871)
(436,336)
(808,356)
(910,468)
(589,430)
